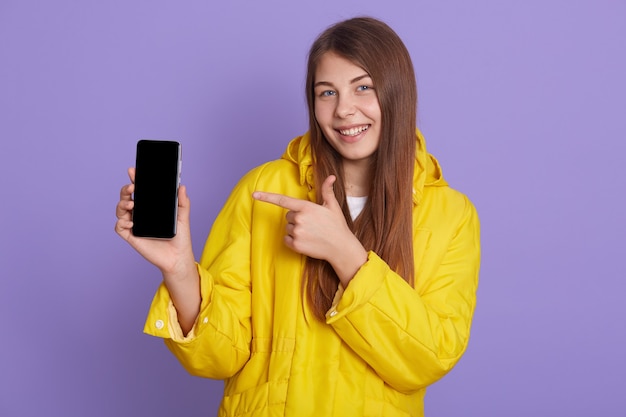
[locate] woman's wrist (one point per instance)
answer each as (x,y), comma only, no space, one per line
(348,261)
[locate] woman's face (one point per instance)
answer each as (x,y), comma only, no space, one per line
(347,108)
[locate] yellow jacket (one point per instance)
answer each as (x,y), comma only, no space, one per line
(383,342)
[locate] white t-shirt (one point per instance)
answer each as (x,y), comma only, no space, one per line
(356,204)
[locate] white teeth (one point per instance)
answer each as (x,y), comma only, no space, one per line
(354,131)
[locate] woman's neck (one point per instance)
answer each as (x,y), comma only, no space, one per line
(358,177)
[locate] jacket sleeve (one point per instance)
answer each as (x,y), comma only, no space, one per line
(219,343)
(411,337)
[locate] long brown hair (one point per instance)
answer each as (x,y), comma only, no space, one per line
(385,224)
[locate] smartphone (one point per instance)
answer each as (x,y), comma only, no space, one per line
(157,177)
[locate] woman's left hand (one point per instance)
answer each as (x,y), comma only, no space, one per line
(320,231)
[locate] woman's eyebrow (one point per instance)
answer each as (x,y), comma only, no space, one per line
(322,83)
(359,78)
(328,83)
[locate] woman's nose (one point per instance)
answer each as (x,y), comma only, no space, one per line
(345,107)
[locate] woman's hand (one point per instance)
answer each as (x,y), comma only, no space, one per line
(166,254)
(320,231)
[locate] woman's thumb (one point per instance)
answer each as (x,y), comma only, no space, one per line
(328,193)
(184,203)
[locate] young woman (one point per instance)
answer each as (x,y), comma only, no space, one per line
(339,280)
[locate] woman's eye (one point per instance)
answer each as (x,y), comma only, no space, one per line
(364,88)
(327,93)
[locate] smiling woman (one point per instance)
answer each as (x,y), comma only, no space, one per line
(367,50)
(339,280)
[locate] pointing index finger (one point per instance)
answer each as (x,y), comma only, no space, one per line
(280,200)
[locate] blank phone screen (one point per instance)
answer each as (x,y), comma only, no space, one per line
(156,189)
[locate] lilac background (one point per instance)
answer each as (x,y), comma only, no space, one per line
(522,102)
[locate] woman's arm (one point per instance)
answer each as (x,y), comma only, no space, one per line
(412,337)
(173,257)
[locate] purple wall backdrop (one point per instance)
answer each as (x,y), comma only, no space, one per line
(522,102)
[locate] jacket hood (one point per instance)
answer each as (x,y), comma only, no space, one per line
(427,171)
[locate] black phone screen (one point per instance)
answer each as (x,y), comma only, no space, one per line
(157,175)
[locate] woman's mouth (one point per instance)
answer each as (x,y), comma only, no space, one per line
(353,131)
